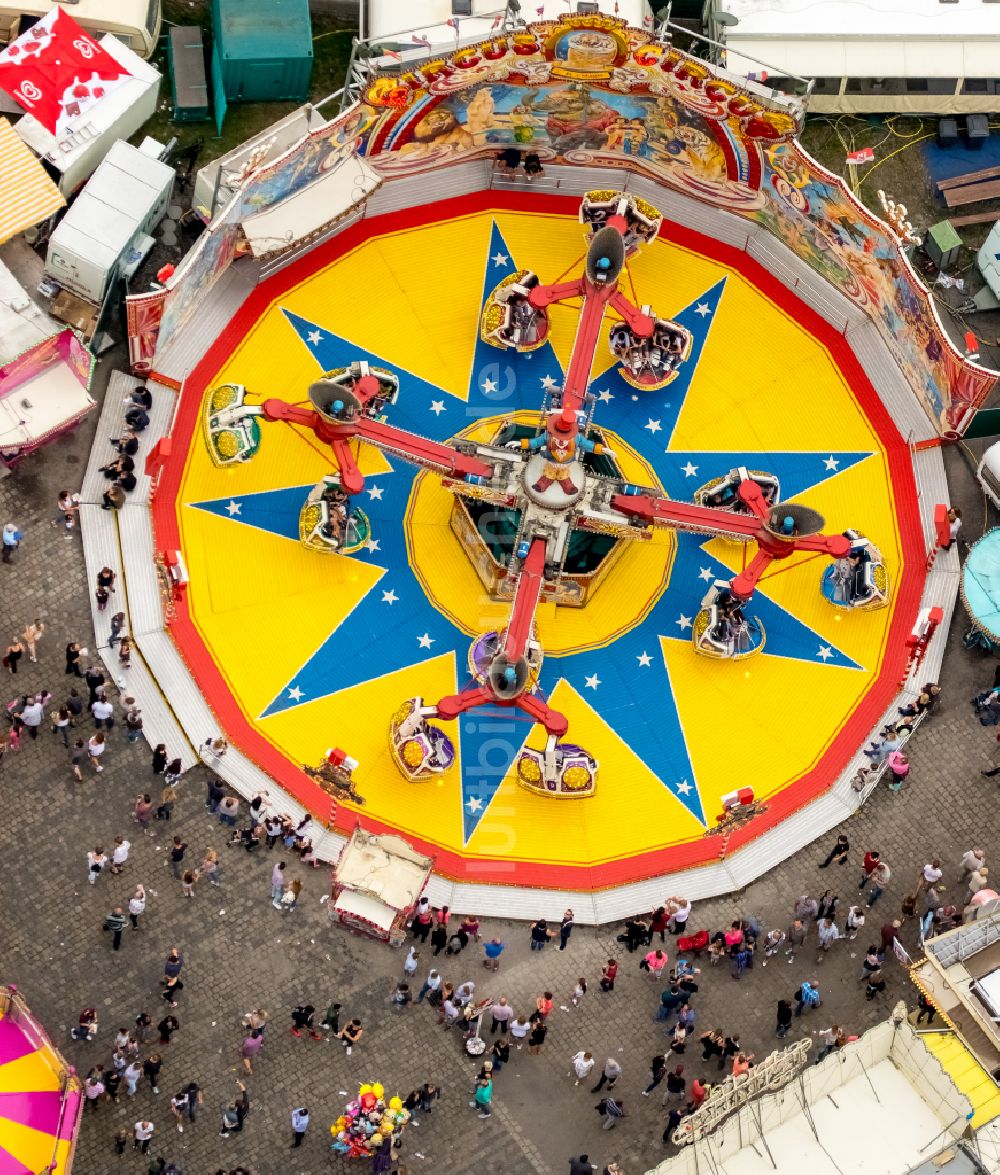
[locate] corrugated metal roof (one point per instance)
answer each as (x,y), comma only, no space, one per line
(27,195)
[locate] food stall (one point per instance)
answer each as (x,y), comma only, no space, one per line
(376,884)
(45,375)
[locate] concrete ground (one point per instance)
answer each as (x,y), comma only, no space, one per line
(241,953)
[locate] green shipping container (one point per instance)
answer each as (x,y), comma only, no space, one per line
(265,49)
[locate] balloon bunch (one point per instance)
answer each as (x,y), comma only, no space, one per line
(367,1121)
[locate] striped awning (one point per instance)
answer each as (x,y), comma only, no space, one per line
(27,195)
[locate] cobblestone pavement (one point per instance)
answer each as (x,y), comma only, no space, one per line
(241,953)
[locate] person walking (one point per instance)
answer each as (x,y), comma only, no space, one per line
(168,797)
(828,935)
(119,854)
(131,1075)
(655,963)
(167,1027)
(31,715)
(536,1037)
(10,541)
(880,877)
(188,879)
(96,862)
(583,1064)
(350,1034)
(807,997)
(178,1107)
(143,813)
(658,1070)
(612,1111)
(277,884)
(609,973)
(32,634)
(251,1049)
(519,1031)
(540,934)
(300,1124)
(483,1097)
(95,749)
(61,720)
(795,937)
(290,897)
(784,1018)
(899,766)
(175,857)
(501,1013)
(432,984)
(151,1069)
(73,655)
(115,922)
(210,867)
(565,927)
(137,906)
(609,1075)
(172,988)
(142,1132)
(676,1085)
(492,951)
(871,859)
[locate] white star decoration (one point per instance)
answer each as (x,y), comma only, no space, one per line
(295,694)
(689,469)
(371,545)
(705,573)
(437,407)
(548,382)
(653,426)
(831,462)
(234,508)
(683,622)
(825,652)
(425,641)
(489,386)
(592,682)
(375,493)
(389,597)
(314,337)
(473,803)
(683,787)
(644,659)
(499,259)
(702,309)
(605,397)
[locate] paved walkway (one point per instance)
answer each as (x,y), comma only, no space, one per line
(242,953)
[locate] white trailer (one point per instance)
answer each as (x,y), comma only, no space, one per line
(107,228)
(876,57)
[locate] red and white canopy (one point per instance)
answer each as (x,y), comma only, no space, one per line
(57,72)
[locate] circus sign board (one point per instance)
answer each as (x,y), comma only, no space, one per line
(770,1075)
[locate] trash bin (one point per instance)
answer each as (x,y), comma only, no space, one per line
(977,130)
(947,132)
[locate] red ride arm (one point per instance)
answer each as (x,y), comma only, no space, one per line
(542,296)
(640,324)
(685,515)
(419,450)
(529,589)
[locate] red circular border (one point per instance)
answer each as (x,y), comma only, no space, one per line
(448,863)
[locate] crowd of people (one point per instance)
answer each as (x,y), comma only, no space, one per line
(665,947)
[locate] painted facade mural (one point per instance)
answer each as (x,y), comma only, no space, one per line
(591,91)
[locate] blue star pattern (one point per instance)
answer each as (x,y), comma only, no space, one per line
(397,626)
